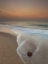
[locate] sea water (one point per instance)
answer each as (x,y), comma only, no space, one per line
(28,31)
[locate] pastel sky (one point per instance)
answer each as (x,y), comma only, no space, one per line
(23,9)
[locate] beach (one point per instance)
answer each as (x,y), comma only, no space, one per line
(8,42)
(8,46)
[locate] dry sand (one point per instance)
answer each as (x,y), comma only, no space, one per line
(8,46)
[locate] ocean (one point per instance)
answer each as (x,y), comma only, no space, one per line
(29,28)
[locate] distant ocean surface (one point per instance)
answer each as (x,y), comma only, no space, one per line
(27,24)
(40,25)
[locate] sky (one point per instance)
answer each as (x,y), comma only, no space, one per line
(23,10)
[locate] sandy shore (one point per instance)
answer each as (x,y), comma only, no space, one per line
(8,46)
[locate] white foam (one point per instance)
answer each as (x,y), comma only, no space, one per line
(38,46)
(35,41)
(29,31)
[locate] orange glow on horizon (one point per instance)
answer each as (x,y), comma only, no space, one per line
(23,15)
(23,9)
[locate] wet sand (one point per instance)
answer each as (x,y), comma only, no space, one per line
(8,46)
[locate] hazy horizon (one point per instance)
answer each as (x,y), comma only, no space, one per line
(23,10)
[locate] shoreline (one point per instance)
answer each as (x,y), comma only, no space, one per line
(8,46)
(7,30)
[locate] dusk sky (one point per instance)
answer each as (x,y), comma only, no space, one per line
(23,10)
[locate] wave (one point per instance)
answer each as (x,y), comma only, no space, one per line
(27,31)
(31,31)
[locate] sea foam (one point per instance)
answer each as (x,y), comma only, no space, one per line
(34,41)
